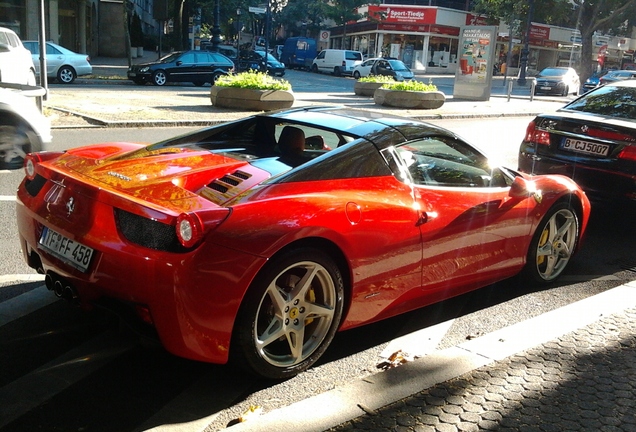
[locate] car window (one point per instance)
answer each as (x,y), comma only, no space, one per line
(51,50)
(187,58)
(14,41)
(353,55)
(202,57)
(608,101)
(321,55)
(445,161)
(4,39)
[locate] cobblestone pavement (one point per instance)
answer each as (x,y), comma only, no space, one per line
(583,381)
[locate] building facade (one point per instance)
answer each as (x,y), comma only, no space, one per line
(426,39)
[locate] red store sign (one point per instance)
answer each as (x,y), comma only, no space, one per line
(402,15)
(539,32)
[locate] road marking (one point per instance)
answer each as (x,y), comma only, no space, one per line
(7,197)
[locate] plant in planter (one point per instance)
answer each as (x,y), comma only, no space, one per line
(251,90)
(409,94)
(366,86)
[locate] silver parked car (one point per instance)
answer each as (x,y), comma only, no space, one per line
(61,63)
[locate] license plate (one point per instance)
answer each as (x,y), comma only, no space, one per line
(69,251)
(586,147)
(132,74)
(545,88)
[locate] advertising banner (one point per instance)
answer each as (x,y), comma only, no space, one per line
(476,56)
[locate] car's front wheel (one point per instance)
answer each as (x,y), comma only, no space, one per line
(553,244)
(66,75)
(290,314)
(16,140)
(356,74)
(159,78)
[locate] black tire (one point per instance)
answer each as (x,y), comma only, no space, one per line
(66,75)
(553,243)
(159,78)
(16,140)
(566,91)
(336,71)
(215,76)
(356,75)
(275,308)
(314,68)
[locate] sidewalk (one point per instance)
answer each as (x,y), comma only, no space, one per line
(572,369)
(119,103)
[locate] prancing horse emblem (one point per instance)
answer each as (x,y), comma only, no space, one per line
(70,206)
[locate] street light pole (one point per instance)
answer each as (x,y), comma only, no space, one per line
(216,28)
(526,46)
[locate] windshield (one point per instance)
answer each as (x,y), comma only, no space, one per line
(608,101)
(553,72)
(170,57)
(397,65)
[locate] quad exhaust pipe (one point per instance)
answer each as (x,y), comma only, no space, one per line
(60,287)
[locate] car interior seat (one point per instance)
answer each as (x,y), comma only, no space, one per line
(291,141)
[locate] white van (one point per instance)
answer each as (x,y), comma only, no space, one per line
(16,64)
(337,62)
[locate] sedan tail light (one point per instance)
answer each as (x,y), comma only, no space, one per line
(628,153)
(536,135)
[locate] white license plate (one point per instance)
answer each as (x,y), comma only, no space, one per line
(545,88)
(132,74)
(69,251)
(586,147)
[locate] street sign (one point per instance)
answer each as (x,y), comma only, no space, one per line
(257,10)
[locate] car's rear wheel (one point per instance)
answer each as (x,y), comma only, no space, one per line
(215,76)
(290,314)
(356,75)
(553,243)
(66,75)
(159,78)
(336,71)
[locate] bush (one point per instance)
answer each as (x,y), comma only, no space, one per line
(253,80)
(411,85)
(376,79)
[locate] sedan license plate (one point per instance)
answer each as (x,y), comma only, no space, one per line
(586,147)
(69,251)
(545,88)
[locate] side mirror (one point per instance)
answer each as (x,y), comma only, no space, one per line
(522,188)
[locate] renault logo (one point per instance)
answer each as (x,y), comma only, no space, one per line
(70,206)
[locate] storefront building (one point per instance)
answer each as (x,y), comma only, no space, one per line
(425,38)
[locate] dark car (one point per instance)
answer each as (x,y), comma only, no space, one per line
(197,67)
(592,140)
(557,80)
(617,75)
(254,60)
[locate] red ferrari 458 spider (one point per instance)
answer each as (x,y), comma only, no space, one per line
(256,240)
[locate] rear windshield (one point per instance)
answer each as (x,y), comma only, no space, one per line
(353,55)
(608,101)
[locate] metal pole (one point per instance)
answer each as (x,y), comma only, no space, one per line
(526,46)
(42,43)
(216,28)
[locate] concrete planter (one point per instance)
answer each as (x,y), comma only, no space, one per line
(409,99)
(250,99)
(366,88)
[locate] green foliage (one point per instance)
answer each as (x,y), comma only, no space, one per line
(253,80)
(376,79)
(411,85)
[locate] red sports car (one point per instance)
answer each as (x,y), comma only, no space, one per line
(256,240)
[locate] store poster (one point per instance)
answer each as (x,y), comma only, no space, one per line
(476,52)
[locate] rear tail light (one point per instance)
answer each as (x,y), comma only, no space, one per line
(189,229)
(628,153)
(31,161)
(535,135)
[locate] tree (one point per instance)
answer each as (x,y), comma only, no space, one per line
(606,16)
(588,16)
(344,11)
